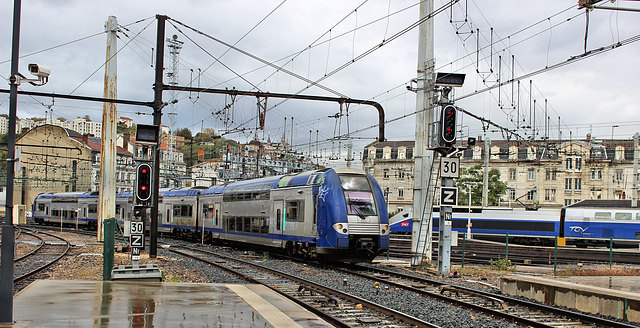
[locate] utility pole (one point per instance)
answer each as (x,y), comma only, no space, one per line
(485,176)
(107,197)
(8,230)
(423,157)
(157,120)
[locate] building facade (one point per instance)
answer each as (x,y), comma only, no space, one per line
(541,174)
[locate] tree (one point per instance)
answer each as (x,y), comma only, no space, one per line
(497,188)
(185,132)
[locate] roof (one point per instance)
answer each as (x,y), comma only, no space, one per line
(604,203)
(96,144)
(392,144)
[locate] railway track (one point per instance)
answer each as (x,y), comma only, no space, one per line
(51,249)
(336,307)
(516,310)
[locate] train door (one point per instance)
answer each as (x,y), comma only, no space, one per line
(277,230)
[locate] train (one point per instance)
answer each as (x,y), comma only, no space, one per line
(594,222)
(337,214)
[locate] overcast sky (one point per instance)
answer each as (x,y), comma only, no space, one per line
(314,38)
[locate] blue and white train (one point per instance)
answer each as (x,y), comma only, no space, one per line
(338,214)
(585,223)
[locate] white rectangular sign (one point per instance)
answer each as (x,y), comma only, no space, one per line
(450,167)
(137,227)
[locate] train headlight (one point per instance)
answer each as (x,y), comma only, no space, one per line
(384,229)
(342,228)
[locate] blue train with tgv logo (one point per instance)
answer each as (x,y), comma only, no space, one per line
(593,222)
(339,214)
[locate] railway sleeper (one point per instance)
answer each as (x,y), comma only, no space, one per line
(487,299)
(328,298)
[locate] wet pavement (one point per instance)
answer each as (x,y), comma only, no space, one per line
(69,303)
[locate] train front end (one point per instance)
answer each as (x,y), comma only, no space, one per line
(353,223)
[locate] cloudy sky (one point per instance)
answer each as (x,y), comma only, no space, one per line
(319,41)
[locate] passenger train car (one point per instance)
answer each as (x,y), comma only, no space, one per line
(338,214)
(586,223)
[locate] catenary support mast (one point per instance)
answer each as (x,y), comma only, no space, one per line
(423,157)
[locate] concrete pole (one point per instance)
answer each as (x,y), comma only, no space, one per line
(485,178)
(424,134)
(107,203)
(635,170)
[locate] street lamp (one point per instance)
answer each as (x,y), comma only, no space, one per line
(469,184)
(612,127)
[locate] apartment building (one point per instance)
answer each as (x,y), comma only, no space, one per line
(550,173)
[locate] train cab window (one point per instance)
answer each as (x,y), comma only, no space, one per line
(603,216)
(623,216)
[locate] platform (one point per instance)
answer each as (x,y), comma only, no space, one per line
(581,293)
(82,303)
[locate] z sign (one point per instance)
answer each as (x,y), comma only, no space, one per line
(448,196)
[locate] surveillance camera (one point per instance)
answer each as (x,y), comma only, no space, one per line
(39,71)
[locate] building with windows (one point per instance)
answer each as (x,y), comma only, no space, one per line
(550,173)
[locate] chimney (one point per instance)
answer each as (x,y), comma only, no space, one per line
(85,138)
(588,137)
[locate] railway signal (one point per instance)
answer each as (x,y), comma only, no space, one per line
(448,126)
(143,183)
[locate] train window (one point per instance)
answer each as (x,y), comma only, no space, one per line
(247,225)
(264,229)
(238,224)
(603,216)
(231,224)
(208,211)
(278,216)
(55,213)
(638,216)
(256,224)
(623,216)
(351,182)
(40,207)
(294,212)
(93,208)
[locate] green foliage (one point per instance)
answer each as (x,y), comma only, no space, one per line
(211,150)
(174,279)
(185,132)
(265,256)
(122,128)
(502,265)
(497,188)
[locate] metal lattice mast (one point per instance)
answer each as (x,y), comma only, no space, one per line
(174,46)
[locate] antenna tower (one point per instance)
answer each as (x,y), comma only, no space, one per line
(174,46)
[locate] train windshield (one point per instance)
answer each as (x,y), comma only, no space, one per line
(357,192)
